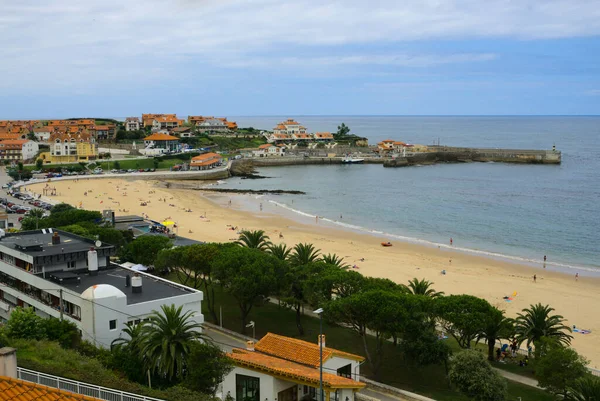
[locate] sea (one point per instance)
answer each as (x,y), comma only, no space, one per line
(514,212)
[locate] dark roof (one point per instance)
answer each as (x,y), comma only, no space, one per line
(152,288)
(39,243)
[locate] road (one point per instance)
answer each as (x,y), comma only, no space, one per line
(12,217)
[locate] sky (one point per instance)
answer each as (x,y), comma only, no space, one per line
(109,58)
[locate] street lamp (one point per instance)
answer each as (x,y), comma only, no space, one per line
(320,313)
(251,324)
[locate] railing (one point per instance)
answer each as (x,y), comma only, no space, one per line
(76,387)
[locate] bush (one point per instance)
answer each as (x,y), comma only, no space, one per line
(471,373)
(24,323)
(62,331)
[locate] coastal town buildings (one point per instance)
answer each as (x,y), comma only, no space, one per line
(287,369)
(277,138)
(65,148)
(183,132)
(162,142)
(66,276)
(269,149)
(148,119)
(42,134)
(104,132)
(18,149)
(206,161)
(289,127)
(323,136)
(212,125)
(132,124)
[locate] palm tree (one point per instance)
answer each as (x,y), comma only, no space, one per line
(586,388)
(167,339)
(280,251)
(497,327)
(537,322)
(423,287)
(334,260)
(304,254)
(134,334)
(37,213)
(256,239)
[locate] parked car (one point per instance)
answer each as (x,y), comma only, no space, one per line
(5,186)
(20,211)
(114,171)
(98,170)
(131,171)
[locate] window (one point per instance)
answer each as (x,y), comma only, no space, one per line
(71,264)
(345,371)
(112,324)
(247,388)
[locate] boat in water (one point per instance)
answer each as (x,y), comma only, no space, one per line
(352,160)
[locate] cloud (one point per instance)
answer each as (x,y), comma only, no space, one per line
(70,43)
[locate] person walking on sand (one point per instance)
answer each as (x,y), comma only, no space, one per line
(544,258)
(451,241)
(535,278)
(576,276)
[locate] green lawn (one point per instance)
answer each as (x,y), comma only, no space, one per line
(429,381)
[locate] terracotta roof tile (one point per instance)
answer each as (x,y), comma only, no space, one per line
(298,351)
(161,137)
(280,367)
(19,390)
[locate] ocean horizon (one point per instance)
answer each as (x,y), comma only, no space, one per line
(514,212)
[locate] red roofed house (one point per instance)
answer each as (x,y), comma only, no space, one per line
(166,122)
(323,136)
(386,145)
(289,127)
(165,142)
(286,369)
(18,149)
(101,132)
(206,161)
(269,150)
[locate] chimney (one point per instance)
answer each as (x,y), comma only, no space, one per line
(249,345)
(55,238)
(136,283)
(92,257)
(8,362)
(321,340)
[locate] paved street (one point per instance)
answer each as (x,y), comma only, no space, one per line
(12,217)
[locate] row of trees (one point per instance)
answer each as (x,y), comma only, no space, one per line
(253,269)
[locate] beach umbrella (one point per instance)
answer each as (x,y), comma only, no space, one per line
(168,223)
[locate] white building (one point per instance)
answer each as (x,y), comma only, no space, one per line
(286,369)
(42,134)
(18,149)
(48,268)
(132,124)
(268,149)
(289,127)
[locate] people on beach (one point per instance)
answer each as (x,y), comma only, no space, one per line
(534,278)
(280,235)
(544,258)
(576,276)
(451,241)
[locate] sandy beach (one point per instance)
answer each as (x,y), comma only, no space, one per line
(211,221)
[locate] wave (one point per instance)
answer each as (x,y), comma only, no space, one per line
(428,243)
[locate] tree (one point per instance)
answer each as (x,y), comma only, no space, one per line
(61,207)
(133,337)
(423,287)
(376,312)
(254,239)
(145,249)
(335,260)
(116,165)
(342,131)
(334,282)
(206,367)
(585,388)
(462,316)
(248,275)
(280,251)
(64,332)
(304,254)
(557,367)
(537,321)
(421,344)
(496,327)
(39,163)
(25,323)
(295,291)
(474,377)
(127,354)
(167,340)
(20,166)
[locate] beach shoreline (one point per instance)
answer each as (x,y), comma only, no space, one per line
(212,218)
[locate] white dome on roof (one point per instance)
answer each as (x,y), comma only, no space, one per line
(102,291)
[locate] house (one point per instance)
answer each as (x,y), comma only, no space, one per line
(132,124)
(18,149)
(67,147)
(164,142)
(104,132)
(206,161)
(301,137)
(289,127)
(274,138)
(42,134)
(269,150)
(287,369)
(386,145)
(8,135)
(323,136)
(183,132)
(166,122)
(66,276)
(209,124)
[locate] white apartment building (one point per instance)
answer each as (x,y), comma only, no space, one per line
(132,124)
(66,276)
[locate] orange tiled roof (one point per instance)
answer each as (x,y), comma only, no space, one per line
(297,350)
(265,146)
(280,367)
(323,135)
(161,137)
(20,390)
(6,135)
(231,124)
